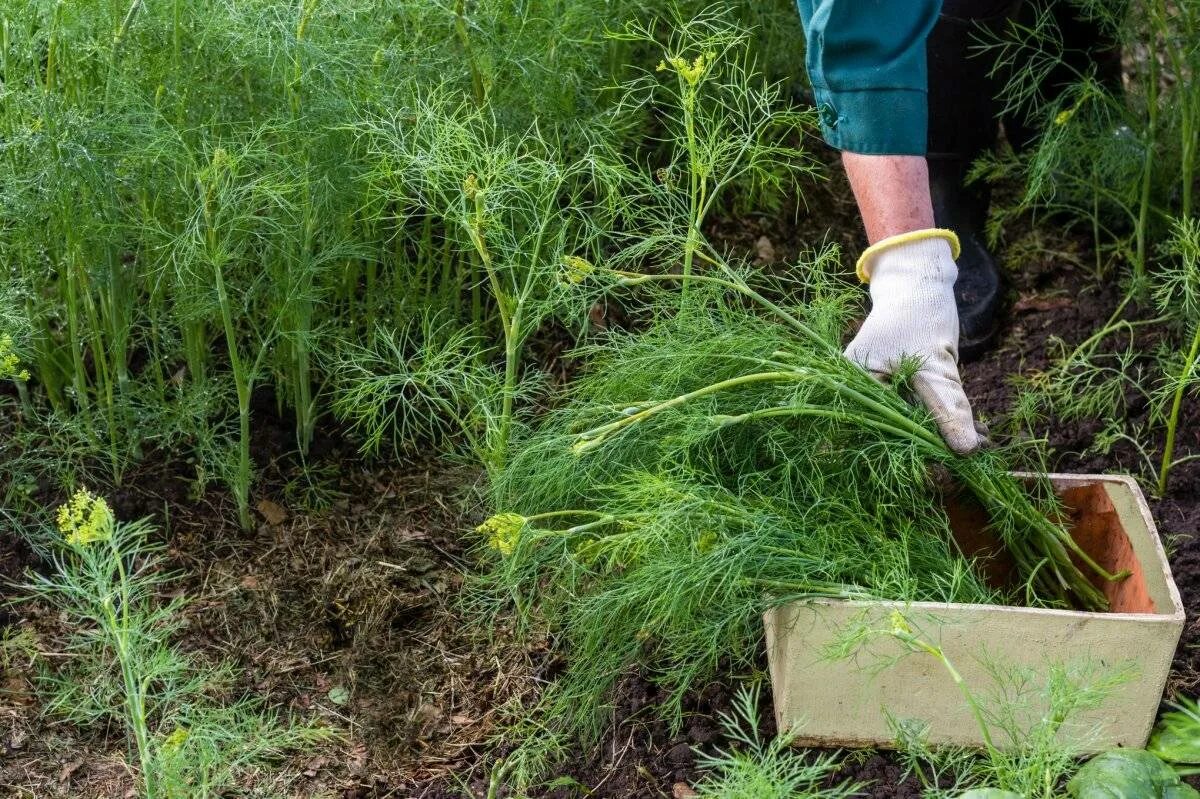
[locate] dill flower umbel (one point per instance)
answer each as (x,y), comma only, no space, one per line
(84,519)
(175,740)
(503,531)
(900,626)
(471,186)
(576,269)
(9,363)
(690,72)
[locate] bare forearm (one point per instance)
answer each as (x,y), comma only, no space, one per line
(892,192)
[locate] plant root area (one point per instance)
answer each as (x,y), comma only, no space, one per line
(343,603)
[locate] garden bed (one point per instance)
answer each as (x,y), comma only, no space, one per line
(356,590)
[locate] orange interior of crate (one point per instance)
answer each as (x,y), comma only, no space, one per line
(1094,525)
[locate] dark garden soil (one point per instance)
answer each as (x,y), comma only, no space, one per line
(343,602)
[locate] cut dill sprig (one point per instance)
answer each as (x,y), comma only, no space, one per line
(723,462)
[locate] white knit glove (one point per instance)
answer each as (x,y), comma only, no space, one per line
(913,314)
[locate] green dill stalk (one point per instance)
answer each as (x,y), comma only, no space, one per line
(241,376)
(1189,366)
(241,381)
(511,309)
(119,629)
(73,301)
(1186,99)
(1156,11)
(902,631)
(697,185)
(299,312)
(50,82)
(462,31)
(689,78)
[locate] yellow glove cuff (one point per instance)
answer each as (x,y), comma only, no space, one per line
(864,260)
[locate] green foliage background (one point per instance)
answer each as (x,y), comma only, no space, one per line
(208,202)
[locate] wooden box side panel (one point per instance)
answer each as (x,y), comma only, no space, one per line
(847,702)
(1134,517)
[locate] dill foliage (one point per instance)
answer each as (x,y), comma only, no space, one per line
(726,460)
(206,202)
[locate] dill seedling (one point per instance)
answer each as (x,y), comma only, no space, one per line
(754,768)
(106,580)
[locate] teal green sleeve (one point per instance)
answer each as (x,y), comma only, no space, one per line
(866,63)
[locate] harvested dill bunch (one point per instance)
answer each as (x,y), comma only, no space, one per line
(726,460)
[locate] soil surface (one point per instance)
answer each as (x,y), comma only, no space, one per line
(344,602)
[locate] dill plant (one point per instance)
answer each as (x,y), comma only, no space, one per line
(1097,380)
(517,215)
(1120,158)
(765,769)
(119,220)
(1023,720)
(107,578)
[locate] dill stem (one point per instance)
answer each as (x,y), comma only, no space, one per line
(976,710)
(812,410)
(135,695)
(813,589)
(633,278)
(1143,220)
(757,377)
(1189,366)
(511,357)
(241,382)
(695,185)
(478,93)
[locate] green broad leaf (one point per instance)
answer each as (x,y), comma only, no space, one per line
(1177,739)
(988,793)
(1128,774)
(1176,746)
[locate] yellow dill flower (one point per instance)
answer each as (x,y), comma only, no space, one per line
(84,519)
(471,186)
(691,72)
(695,71)
(503,531)
(900,626)
(1064,116)
(175,740)
(10,365)
(576,269)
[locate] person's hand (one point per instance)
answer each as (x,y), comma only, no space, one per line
(913,316)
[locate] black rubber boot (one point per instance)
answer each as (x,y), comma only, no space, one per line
(963,124)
